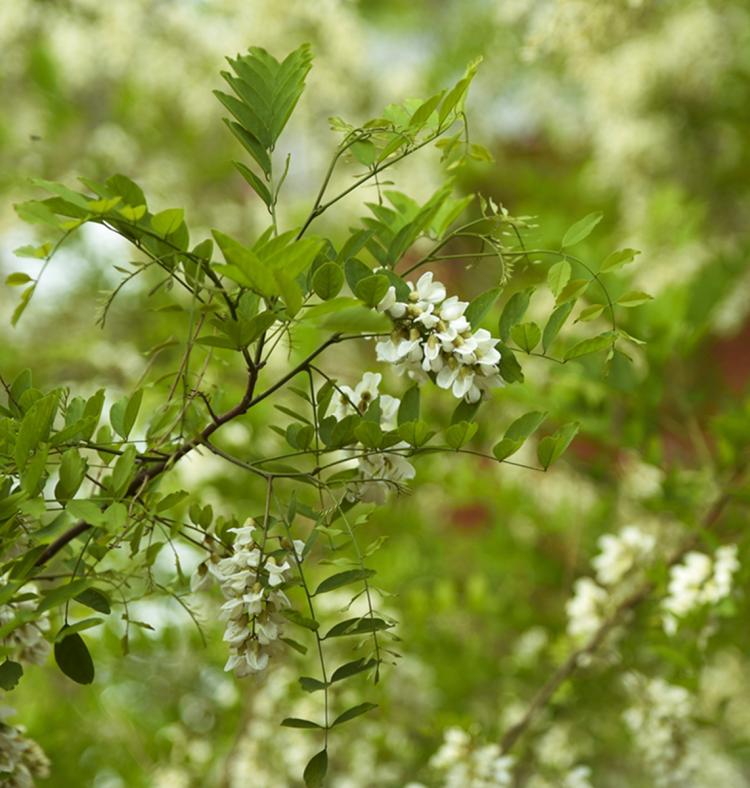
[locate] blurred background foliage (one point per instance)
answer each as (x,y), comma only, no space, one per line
(640,108)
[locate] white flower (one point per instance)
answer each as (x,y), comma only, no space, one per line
(426,291)
(698,580)
(586,609)
(619,554)
(433,337)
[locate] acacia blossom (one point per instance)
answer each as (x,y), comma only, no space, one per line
(432,338)
(251,581)
(378,470)
(698,580)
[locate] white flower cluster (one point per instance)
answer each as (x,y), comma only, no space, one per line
(26,643)
(660,722)
(250,581)
(22,760)
(378,470)
(432,336)
(698,580)
(619,557)
(466,766)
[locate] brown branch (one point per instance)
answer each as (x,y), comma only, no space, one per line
(568,667)
(146,475)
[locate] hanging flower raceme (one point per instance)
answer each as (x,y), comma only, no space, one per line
(378,470)
(22,760)
(433,338)
(251,582)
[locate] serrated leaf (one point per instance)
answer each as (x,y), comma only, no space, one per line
(581,229)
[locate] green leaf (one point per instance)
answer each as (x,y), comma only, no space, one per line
(296,722)
(95,599)
(589,313)
(506,447)
(343,579)
(79,626)
(634,298)
(371,289)
(356,626)
(526,336)
(124,412)
(415,433)
(408,409)
(245,262)
(572,290)
(481,305)
(352,669)
(36,427)
(124,470)
(298,647)
(592,345)
(513,313)
(57,596)
(558,276)
(297,618)
(310,684)
(581,229)
(364,152)
(73,658)
(167,222)
(10,674)
(423,112)
(618,259)
(369,434)
(552,447)
(355,711)
(459,434)
(555,323)
(256,183)
(72,471)
(510,369)
(355,271)
(316,769)
(526,425)
(17,278)
(328,281)
(84,510)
